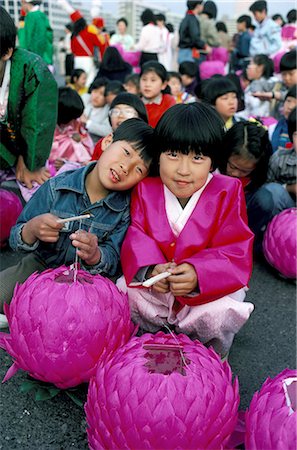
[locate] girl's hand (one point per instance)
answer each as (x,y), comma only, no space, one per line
(44,227)
(26,177)
(87,246)
(183,280)
(162,286)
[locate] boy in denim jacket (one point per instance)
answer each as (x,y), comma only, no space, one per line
(101,189)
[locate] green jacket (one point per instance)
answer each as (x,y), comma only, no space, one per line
(31,112)
(38,36)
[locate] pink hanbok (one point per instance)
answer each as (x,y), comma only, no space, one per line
(211,234)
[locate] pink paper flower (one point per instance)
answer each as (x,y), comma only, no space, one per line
(280,242)
(139,400)
(10,209)
(270,420)
(60,329)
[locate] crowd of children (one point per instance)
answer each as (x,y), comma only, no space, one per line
(221,152)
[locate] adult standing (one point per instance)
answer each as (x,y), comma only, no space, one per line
(37,36)
(122,37)
(266,39)
(208,30)
(190,41)
(149,41)
(164,55)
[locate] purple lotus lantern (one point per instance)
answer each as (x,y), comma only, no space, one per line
(10,209)
(60,327)
(280,243)
(162,392)
(271,418)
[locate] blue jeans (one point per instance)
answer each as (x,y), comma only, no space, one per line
(263,204)
(185,54)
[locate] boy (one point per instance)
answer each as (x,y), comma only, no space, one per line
(28,108)
(100,189)
(189,72)
(95,114)
(241,52)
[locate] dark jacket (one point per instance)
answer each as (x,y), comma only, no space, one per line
(189,32)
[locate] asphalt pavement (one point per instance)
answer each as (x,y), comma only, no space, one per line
(265,346)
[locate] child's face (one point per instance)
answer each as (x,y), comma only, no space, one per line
(120,113)
(254,71)
(97,97)
(175,86)
(241,27)
(226,105)
(131,88)
(186,80)
(289,105)
(239,167)
(81,81)
(182,174)
(259,15)
(151,85)
(121,167)
(289,77)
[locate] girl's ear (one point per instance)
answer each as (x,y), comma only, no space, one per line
(164,85)
(106,141)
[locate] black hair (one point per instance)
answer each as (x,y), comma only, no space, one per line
(8,32)
(174,75)
(70,105)
(288,61)
(122,19)
(69,26)
(191,4)
(125,98)
(292,16)
(156,67)
(112,60)
(210,8)
(78,26)
(190,127)
(278,16)
(148,16)
(139,134)
(98,83)
(169,27)
(133,78)
(259,6)
(249,140)
(188,68)
(292,123)
(76,73)
(160,17)
(292,92)
(245,19)
(215,87)
(114,87)
(221,26)
(266,62)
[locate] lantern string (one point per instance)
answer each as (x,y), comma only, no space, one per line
(76,257)
(178,343)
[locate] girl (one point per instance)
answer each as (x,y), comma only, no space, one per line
(177,90)
(150,36)
(153,80)
(222,94)
(245,155)
(191,224)
(113,66)
(123,107)
(78,81)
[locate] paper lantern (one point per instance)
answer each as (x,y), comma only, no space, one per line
(162,392)
(271,418)
(60,328)
(10,209)
(280,242)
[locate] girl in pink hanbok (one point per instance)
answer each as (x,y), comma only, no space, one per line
(189,230)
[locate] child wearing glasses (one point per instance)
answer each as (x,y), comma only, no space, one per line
(124,106)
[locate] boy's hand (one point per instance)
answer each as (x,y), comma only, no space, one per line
(161,286)
(44,227)
(87,246)
(183,280)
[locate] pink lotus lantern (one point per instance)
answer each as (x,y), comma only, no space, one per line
(271,418)
(280,242)
(10,209)
(162,392)
(61,328)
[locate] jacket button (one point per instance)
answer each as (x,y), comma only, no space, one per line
(172,244)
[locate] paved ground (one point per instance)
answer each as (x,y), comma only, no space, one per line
(264,347)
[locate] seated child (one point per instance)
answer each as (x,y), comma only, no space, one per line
(279,131)
(132,84)
(95,116)
(282,164)
(177,90)
(102,189)
(112,89)
(153,80)
(123,107)
(189,72)
(192,224)
(78,81)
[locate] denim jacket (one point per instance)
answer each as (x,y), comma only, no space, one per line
(65,196)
